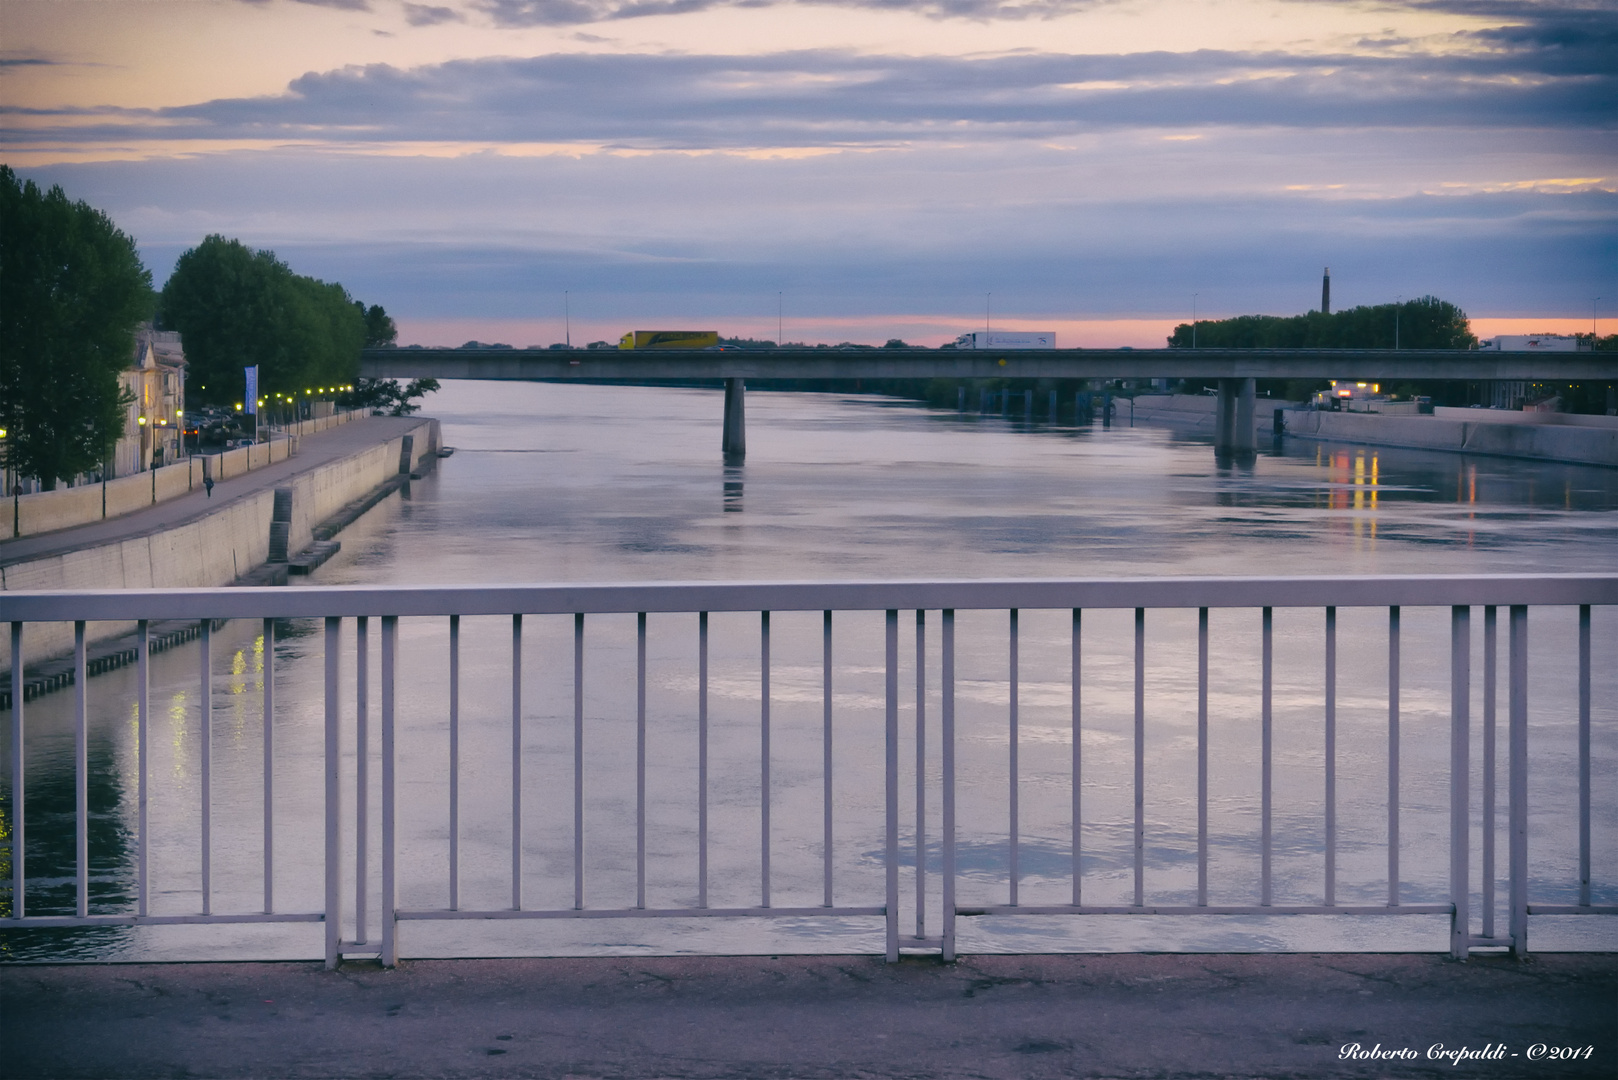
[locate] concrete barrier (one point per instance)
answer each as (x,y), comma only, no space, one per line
(1197,411)
(1515,416)
(1575,445)
(209,551)
(47,511)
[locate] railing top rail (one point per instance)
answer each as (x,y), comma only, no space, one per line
(1029,593)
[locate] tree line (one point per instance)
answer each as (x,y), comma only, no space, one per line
(73,291)
(236,307)
(1424,323)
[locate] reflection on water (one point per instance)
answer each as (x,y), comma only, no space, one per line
(555,483)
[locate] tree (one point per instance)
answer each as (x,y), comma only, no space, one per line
(379,329)
(1424,323)
(236,307)
(387,395)
(72,291)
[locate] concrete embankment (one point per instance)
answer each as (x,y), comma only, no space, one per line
(1575,444)
(64,508)
(199,543)
(1577,440)
(1194,411)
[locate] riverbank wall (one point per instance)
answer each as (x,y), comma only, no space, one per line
(217,548)
(63,508)
(1194,411)
(1573,444)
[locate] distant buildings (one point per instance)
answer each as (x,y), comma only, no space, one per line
(153,420)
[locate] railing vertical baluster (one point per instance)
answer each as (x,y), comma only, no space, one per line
(1584,755)
(454,762)
(578,760)
(18,819)
(1202,757)
(143,707)
(1489,679)
(1460,691)
(1393,757)
(640,760)
(205,737)
(516,762)
(702,759)
(1076,795)
(390,924)
(1140,757)
(1012,741)
(764,758)
(81,770)
(891,756)
(1266,725)
(1517,687)
(362,773)
(826,766)
(334,792)
(267,676)
(1331,756)
(946,689)
(921,773)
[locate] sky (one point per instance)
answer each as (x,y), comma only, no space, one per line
(525,171)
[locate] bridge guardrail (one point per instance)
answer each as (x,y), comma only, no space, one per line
(347,830)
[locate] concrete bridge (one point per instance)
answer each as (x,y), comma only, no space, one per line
(1234,369)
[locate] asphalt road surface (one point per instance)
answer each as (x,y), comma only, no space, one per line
(832,1017)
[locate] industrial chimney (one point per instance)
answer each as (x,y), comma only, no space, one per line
(1325,292)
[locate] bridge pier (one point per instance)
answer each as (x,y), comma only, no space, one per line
(1233,419)
(733,444)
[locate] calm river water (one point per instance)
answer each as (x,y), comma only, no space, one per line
(584,483)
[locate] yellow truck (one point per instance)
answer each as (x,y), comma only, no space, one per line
(669,339)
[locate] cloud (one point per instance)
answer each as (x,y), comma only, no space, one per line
(518,13)
(341,5)
(427,15)
(843,99)
(1133,225)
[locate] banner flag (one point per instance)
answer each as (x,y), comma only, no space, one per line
(252,390)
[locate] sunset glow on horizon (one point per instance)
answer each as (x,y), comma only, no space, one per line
(877,167)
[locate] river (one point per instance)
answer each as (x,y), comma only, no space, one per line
(597,483)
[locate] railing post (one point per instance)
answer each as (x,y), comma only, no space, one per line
(205,739)
(1460,764)
(390,923)
(81,768)
(891,740)
(1584,755)
(334,794)
(143,705)
(268,675)
(921,773)
(1517,733)
(946,688)
(362,774)
(18,852)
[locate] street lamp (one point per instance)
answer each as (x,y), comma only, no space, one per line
(1193,321)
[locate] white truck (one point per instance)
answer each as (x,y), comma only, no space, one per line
(1007,339)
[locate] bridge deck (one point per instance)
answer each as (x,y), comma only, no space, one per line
(682,365)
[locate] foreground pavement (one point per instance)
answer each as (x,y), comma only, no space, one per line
(831,1017)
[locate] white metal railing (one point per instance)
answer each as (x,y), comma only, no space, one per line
(336,605)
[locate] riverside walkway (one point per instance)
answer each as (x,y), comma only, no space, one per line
(313,451)
(820,1016)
